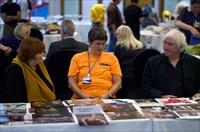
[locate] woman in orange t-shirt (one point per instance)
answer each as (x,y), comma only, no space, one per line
(95,73)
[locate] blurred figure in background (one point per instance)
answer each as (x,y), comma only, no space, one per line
(179,7)
(133,17)
(166,15)
(188,20)
(127,48)
(150,16)
(20,31)
(114,20)
(97,13)
(11,14)
(35,33)
(26,7)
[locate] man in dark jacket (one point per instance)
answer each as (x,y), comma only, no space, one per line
(67,42)
(173,73)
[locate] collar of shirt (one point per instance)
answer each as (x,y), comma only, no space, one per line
(68,37)
(166,59)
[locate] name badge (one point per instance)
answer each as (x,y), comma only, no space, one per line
(86,80)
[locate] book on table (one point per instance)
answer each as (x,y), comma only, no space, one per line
(52,112)
(158,112)
(190,111)
(15,113)
(147,102)
(121,111)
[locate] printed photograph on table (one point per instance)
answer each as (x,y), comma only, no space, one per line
(51,109)
(188,114)
(109,107)
(84,101)
(14,107)
(147,102)
(56,103)
(14,113)
(158,113)
(60,119)
(193,107)
(121,111)
(91,119)
(176,101)
(51,112)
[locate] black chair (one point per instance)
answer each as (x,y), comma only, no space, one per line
(5,61)
(138,68)
(58,65)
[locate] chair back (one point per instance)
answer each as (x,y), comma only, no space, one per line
(194,40)
(138,68)
(58,66)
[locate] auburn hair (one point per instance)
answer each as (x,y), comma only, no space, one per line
(29,47)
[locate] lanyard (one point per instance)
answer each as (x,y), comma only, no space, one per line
(90,68)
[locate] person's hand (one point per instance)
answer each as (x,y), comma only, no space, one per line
(6,49)
(196,95)
(104,96)
(168,96)
(9,18)
(86,96)
(195,32)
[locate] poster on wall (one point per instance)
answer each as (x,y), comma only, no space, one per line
(40,8)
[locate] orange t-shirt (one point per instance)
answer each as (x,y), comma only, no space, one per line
(101,74)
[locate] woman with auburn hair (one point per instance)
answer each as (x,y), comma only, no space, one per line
(27,79)
(127,48)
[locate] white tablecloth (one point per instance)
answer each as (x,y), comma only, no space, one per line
(177,125)
(117,126)
(143,125)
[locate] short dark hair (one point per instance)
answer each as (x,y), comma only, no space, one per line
(194,2)
(29,47)
(35,33)
(97,33)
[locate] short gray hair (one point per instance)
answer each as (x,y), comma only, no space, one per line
(180,39)
(68,27)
